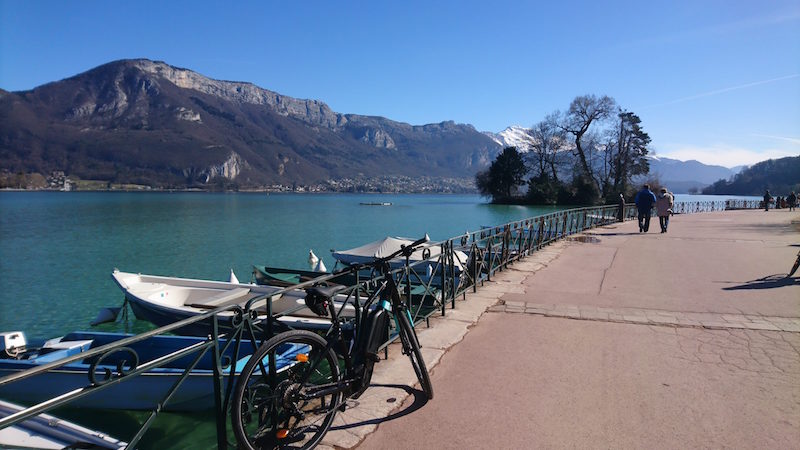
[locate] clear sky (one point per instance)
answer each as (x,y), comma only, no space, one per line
(716,81)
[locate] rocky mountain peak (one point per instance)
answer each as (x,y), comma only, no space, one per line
(313,112)
(148,122)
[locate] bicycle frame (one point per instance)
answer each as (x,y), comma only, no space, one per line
(356,378)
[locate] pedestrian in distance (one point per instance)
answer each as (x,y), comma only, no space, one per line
(767,199)
(645,200)
(664,208)
(791,201)
(621,211)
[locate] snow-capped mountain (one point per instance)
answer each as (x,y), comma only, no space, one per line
(513,136)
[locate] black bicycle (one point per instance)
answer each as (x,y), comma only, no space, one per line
(294,407)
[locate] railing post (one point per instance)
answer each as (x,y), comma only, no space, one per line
(451,259)
(475,254)
(491,259)
(541,233)
(222,433)
(443,266)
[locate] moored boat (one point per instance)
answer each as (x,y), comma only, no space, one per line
(277,276)
(165,300)
(425,263)
(49,432)
(141,392)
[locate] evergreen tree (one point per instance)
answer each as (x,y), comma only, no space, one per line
(626,155)
(503,176)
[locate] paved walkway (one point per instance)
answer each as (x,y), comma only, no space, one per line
(625,340)
(654,317)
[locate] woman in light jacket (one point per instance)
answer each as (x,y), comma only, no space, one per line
(664,203)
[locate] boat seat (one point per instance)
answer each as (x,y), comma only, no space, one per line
(60,350)
(223,297)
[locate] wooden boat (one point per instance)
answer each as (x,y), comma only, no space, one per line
(165,300)
(142,392)
(48,432)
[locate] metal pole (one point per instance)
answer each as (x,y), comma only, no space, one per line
(222,433)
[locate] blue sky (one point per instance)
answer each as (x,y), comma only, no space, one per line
(716,81)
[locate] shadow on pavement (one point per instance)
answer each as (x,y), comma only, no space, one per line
(768,282)
(420,399)
(612,234)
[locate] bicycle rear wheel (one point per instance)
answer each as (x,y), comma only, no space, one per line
(273,404)
(411,347)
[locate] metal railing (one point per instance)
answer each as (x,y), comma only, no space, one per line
(743,204)
(463,263)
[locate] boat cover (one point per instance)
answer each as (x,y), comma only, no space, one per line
(386,246)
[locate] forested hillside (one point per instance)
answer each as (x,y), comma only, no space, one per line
(780,176)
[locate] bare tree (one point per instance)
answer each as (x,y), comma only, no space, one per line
(548,141)
(583,112)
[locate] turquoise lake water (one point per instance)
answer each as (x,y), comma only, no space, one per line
(57,251)
(59,248)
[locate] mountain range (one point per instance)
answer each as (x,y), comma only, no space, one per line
(149,123)
(146,122)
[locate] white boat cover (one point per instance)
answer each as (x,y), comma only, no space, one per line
(388,245)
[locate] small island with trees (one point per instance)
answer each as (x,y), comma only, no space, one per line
(586,156)
(596,151)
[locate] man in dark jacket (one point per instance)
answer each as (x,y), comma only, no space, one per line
(645,199)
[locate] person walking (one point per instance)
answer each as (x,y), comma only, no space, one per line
(767,199)
(645,199)
(791,201)
(664,208)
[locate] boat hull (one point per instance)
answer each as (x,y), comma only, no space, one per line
(141,392)
(48,432)
(166,300)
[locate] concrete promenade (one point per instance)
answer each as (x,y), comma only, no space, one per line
(616,339)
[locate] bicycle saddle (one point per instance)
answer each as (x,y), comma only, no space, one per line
(317,298)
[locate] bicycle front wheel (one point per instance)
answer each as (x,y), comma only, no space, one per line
(411,347)
(278,401)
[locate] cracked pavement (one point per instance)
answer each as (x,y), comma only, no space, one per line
(687,339)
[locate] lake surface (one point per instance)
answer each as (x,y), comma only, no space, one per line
(57,251)
(59,248)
